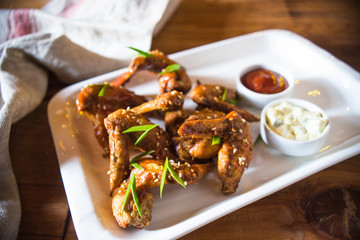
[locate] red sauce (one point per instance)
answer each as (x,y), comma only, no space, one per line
(264,81)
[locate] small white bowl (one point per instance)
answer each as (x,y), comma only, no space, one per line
(260,99)
(289,146)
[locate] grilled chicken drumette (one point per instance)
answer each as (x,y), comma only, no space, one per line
(192,148)
(146,179)
(97,108)
(236,147)
(212,96)
(157,139)
(156,63)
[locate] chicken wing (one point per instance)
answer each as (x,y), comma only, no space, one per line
(168,101)
(146,179)
(156,63)
(192,148)
(236,149)
(97,108)
(121,143)
(211,96)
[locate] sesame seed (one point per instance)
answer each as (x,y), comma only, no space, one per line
(243,120)
(156,180)
(230,119)
(185,182)
(213,129)
(180,174)
(235,150)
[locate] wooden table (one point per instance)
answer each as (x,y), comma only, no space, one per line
(332,24)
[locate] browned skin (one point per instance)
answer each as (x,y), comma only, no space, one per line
(211,96)
(121,143)
(191,148)
(98,108)
(177,80)
(168,101)
(173,120)
(236,150)
(145,180)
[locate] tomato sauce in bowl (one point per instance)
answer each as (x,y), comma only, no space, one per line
(264,81)
(260,84)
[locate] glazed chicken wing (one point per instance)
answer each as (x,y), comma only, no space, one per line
(156,63)
(121,143)
(168,101)
(236,149)
(97,108)
(146,179)
(211,96)
(191,148)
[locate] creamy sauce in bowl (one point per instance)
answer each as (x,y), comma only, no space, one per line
(294,122)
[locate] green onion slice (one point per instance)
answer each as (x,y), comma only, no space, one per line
(170,68)
(141,53)
(175,176)
(145,128)
(140,128)
(126,198)
(231,101)
(134,195)
(132,186)
(216,140)
(103,90)
(223,97)
(163,177)
(136,165)
(167,167)
(137,157)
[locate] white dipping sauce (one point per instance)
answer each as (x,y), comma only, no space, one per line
(294,122)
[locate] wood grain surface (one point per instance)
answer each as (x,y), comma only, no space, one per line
(296,212)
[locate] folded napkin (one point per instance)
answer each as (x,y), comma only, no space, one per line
(76,40)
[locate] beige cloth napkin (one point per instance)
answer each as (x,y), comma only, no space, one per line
(74,39)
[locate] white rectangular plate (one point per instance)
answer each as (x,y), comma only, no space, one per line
(321,79)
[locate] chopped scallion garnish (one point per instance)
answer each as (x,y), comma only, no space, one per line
(231,101)
(103,90)
(134,195)
(170,68)
(167,167)
(132,186)
(216,140)
(163,177)
(145,128)
(126,197)
(136,165)
(137,157)
(223,97)
(141,53)
(175,176)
